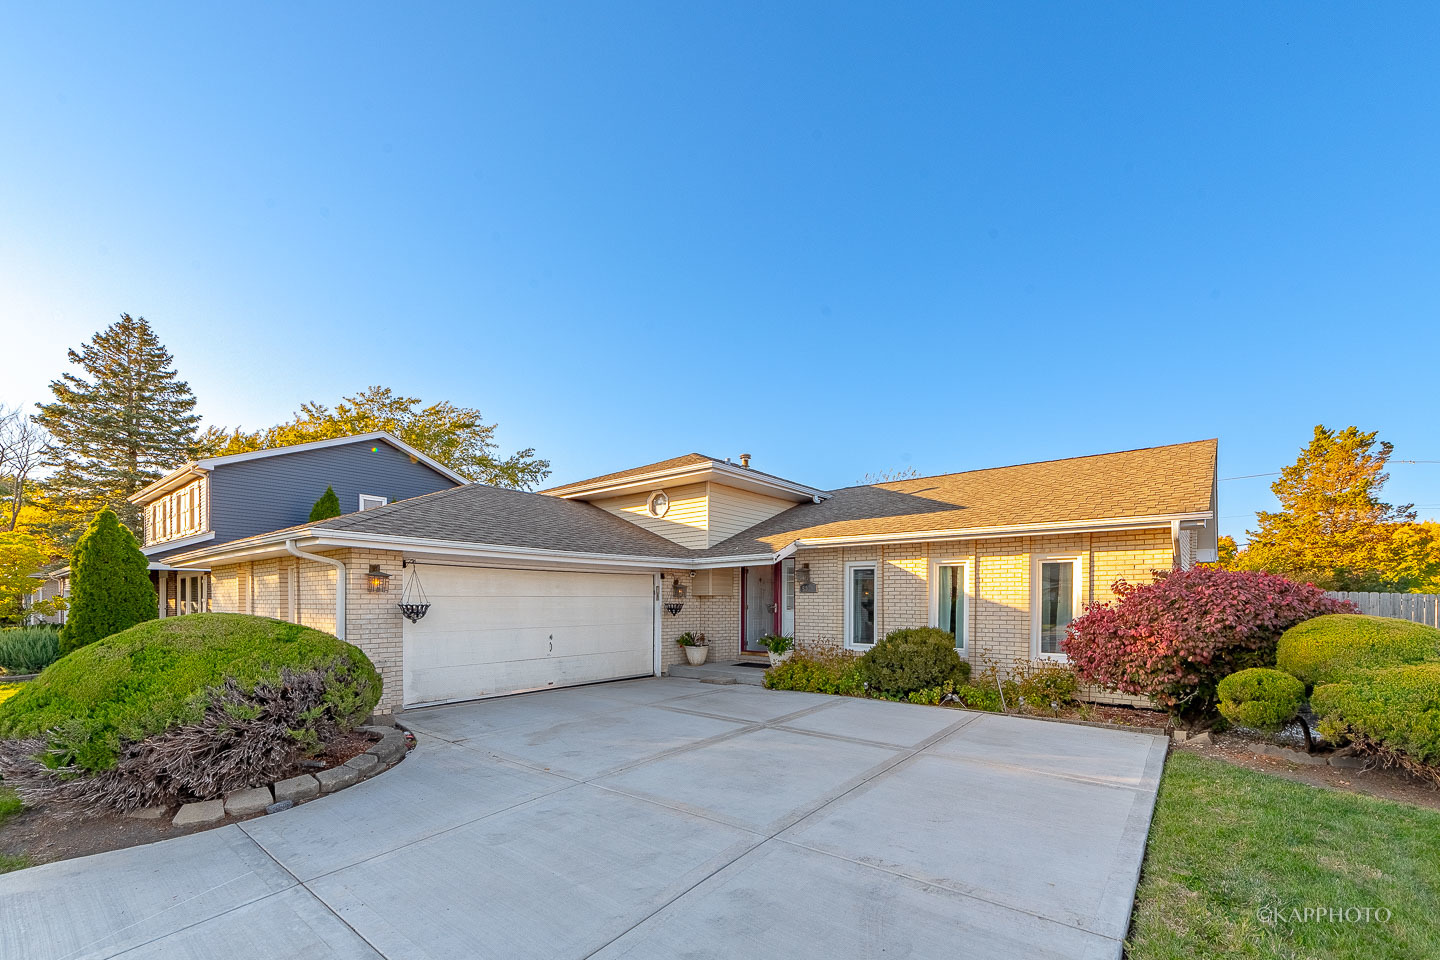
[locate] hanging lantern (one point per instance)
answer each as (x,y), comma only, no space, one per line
(413,602)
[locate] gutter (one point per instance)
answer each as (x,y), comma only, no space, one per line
(295,551)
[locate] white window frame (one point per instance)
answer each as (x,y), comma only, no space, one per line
(967,586)
(874,567)
(1077,581)
(383,501)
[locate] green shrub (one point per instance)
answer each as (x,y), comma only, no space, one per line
(110,587)
(1329,648)
(978,697)
(1042,684)
(913,659)
(1396,710)
(28,649)
(165,674)
(326,507)
(1261,698)
(836,673)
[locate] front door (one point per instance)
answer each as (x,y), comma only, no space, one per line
(759,593)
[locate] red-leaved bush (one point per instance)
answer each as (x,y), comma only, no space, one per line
(1176,638)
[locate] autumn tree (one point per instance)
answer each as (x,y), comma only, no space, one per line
(456,436)
(1332,528)
(122,422)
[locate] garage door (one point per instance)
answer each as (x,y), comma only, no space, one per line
(493,631)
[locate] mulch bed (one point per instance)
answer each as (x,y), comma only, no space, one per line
(46,834)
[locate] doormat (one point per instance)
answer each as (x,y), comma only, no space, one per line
(751,663)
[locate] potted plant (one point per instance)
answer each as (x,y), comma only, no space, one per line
(780,648)
(696,647)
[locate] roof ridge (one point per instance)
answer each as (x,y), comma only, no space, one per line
(1033,463)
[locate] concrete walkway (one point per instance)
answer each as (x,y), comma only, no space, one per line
(650,819)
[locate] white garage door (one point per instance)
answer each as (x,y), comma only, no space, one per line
(492,631)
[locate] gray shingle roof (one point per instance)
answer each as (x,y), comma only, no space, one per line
(685,460)
(477,513)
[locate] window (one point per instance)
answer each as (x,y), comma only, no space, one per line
(367,502)
(1056,603)
(787,606)
(658,505)
(948,612)
(193,597)
(860,605)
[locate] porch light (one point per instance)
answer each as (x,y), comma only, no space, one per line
(377,580)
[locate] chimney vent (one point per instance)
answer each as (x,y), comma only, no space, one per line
(745,460)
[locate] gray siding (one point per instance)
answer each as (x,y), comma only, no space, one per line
(257,496)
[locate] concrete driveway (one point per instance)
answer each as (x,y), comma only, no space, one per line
(650,819)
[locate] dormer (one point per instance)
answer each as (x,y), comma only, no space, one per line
(694,500)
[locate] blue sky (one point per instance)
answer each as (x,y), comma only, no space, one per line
(841,238)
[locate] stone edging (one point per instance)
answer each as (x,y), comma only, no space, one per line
(284,794)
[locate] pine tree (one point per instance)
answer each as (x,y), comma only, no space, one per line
(130,422)
(326,507)
(110,587)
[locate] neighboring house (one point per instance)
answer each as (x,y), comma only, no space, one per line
(220,499)
(594,580)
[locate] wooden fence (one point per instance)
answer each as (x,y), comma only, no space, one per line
(1420,607)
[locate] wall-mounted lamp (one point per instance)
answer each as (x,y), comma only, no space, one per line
(377,580)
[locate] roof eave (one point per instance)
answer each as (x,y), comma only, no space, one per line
(693,472)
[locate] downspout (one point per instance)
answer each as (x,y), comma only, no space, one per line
(295,551)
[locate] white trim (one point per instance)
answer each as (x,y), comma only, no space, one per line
(209,463)
(874,567)
(967,589)
(1077,581)
(733,476)
(1008,530)
(165,545)
(272,545)
(657,623)
(384,501)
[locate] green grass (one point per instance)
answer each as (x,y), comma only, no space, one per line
(1227,842)
(9,806)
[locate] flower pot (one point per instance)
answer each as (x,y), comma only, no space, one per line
(696,655)
(778,658)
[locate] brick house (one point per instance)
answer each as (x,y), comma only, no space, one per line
(594,580)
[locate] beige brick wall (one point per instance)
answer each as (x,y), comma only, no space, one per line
(288,588)
(717,617)
(1000,582)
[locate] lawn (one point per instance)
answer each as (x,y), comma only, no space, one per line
(9,806)
(1231,848)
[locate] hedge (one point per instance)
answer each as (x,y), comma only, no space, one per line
(1331,648)
(837,673)
(1396,709)
(1261,698)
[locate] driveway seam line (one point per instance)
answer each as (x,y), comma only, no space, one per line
(941,886)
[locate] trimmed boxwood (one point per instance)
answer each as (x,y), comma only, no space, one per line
(165,674)
(1396,709)
(913,659)
(1261,698)
(1332,647)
